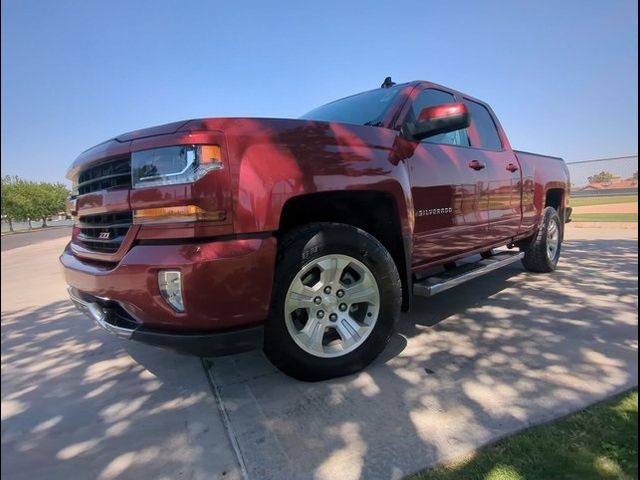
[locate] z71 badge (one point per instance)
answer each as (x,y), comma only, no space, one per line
(433,211)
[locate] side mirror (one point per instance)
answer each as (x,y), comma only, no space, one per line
(435,120)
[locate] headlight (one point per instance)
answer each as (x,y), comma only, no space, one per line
(169,165)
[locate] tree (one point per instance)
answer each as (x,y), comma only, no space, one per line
(601,177)
(56,195)
(635,176)
(6,203)
(25,200)
(15,200)
(46,199)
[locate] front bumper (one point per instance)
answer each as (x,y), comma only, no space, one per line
(226,286)
(204,345)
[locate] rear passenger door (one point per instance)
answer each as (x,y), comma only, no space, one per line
(449,195)
(504,186)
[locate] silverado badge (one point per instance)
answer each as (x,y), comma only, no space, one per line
(433,211)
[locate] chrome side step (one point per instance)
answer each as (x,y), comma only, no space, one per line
(465,272)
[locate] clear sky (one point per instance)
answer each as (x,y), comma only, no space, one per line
(561,75)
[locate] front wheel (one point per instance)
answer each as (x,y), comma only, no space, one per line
(543,252)
(336,299)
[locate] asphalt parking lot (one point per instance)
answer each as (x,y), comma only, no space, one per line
(469,366)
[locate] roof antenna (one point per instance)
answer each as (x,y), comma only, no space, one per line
(387,83)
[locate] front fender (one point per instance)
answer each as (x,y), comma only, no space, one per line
(281,159)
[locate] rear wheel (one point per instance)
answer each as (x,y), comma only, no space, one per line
(336,299)
(543,252)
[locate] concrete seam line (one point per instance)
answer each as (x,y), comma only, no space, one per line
(226,420)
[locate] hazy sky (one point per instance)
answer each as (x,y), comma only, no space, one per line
(561,75)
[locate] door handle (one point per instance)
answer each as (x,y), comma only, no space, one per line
(512,168)
(476,165)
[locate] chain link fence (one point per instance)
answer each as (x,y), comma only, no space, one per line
(604,176)
(605,189)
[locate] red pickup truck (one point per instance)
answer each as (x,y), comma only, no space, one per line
(305,237)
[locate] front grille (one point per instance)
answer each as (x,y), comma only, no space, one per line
(116,173)
(104,232)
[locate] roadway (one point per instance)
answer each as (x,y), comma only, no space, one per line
(21,239)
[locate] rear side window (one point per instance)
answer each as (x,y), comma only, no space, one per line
(487,131)
(430,98)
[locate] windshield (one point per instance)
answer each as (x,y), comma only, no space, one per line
(367,108)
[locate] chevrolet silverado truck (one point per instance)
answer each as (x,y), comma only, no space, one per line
(305,237)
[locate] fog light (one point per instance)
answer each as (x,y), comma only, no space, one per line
(170,283)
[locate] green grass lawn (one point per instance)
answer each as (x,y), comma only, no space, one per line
(604,217)
(600,442)
(584,201)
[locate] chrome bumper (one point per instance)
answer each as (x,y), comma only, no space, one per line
(99,315)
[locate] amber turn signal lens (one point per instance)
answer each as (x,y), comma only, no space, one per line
(187,213)
(210,154)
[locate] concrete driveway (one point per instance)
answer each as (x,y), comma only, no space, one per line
(469,366)
(78,403)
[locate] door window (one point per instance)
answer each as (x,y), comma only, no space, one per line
(484,125)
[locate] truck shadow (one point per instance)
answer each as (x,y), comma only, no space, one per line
(429,312)
(75,404)
(466,367)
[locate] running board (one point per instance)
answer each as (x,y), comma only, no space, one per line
(465,272)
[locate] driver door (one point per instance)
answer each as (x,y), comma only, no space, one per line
(449,190)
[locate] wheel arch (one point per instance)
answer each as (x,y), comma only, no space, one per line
(374,211)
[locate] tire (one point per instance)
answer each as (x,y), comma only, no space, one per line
(543,251)
(351,263)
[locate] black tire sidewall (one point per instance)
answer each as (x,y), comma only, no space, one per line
(306,246)
(536,258)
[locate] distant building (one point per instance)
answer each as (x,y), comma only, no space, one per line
(616,183)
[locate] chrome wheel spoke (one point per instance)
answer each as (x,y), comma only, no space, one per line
(300,296)
(364,291)
(349,330)
(312,334)
(332,269)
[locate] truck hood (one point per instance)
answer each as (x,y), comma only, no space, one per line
(152,131)
(250,129)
